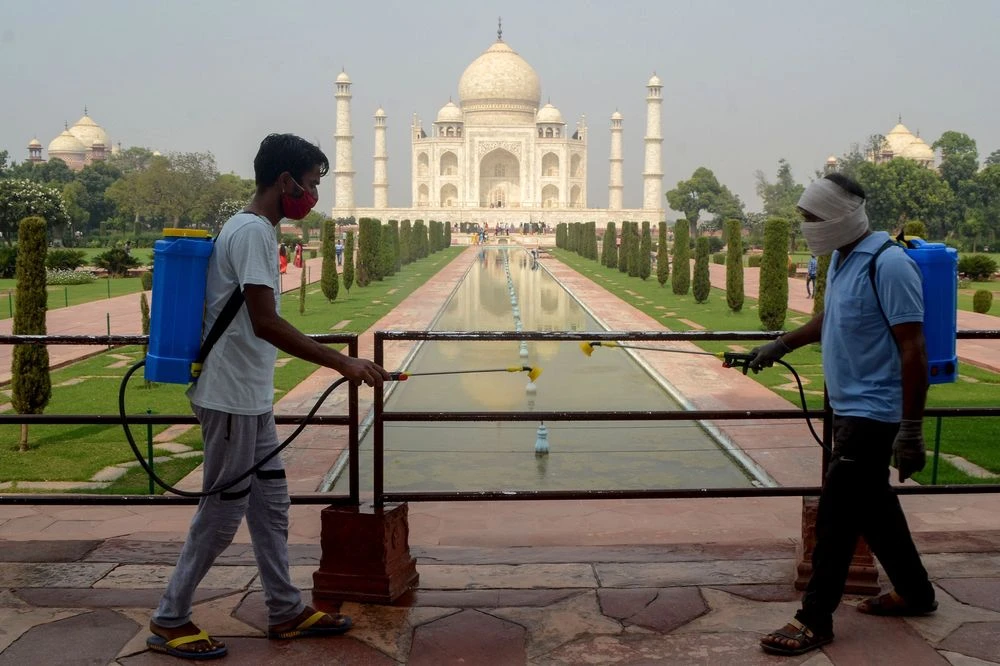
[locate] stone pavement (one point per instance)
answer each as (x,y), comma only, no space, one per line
(88,602)
(123,314)
(982,353)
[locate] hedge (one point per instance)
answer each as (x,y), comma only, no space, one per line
(734,266)
(702,286)
(682,258)
(662,256)
(773,299)
(982,300)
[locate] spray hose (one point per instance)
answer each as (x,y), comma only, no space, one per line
(729,360)
(533,373)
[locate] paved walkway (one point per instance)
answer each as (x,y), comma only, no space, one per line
(686,581)
(120,315)
(982,353)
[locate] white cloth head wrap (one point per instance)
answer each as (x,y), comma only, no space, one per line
(843,216)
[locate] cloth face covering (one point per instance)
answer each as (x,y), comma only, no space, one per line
(843,217)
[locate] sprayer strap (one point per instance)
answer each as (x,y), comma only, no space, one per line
(872,270)
(223,321)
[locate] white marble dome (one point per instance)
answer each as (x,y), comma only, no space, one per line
(66,143)
(500,78)
(919,151)
(898,139)
(616,115)
(654,81)
(380,112)
(88,132)
(343,78)
(449,113)
(35,143)
(549,114)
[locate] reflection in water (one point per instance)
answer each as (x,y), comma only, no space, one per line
(491,456)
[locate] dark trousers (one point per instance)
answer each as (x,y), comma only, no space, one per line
(810,285)
(857,501)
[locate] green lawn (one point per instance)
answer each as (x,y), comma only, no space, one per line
(76,452)
(75,294)
(972,438)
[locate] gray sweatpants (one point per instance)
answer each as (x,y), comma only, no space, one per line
(233,443)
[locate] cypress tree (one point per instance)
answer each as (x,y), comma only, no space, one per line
(364,239)
(645,252)
(349,262)
(394,236)
(633,249)
(702,285)
(610,246)
(31,386)
(329,280)
(682,260)
(420,238)
(819,290)
(623,253)
(447,234)
(144,314)
(734,266)
(302,289)
(386,262)
(405,242)
(773,302)
(662,257)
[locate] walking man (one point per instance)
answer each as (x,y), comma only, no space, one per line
(233,399)
(811,277)
(875,366)
(339,249)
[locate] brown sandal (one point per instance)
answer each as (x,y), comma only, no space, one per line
(891,604)
(798,632)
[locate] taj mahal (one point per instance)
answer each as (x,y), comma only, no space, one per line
(498,155)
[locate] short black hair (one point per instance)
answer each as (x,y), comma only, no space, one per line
(846,184)
(279,153)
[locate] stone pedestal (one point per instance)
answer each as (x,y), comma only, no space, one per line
(365,555)
(862,577)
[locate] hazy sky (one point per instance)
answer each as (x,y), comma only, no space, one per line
(745,83)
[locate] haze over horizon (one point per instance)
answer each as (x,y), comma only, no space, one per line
(745,84)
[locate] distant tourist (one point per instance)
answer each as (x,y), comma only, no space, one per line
(297,262)
(811,277)
(128,248)
(339,250)
(283,259)
(233,400)
(875,369)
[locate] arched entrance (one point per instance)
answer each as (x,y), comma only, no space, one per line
(499,180)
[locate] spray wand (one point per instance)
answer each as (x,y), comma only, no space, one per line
(737,360)
(533,374)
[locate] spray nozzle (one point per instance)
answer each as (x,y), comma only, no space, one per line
(737,360)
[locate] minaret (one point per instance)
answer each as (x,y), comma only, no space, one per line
(616,186)
(343,174)
(381,179)
(652,174)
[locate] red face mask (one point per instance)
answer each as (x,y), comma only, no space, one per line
(296,208)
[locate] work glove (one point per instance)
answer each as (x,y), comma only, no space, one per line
(908,453)
(765,355)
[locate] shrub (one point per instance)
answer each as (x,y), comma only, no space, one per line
(560,235)
(349,260)
(793,268)
(715,244)
(982,300)
(406,254)
(447,238)
(623,251)
(420,242)
(313,253)
(662,256)
(915,228)
(31,386)
(329,281)
(116,262)
(819,289)
(702,284)
(394,237)
(147,280)
(386,258)
(592,240)
(609,253)
(965,284)
(773,303)
(753,261)
(634,250)
(645,252)
(682,261)
(63,277)
(734,266)
(8,261)
(719,258)
(977,267)
(58,258)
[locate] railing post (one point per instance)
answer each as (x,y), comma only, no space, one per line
(937,451)
(149,451)
(377,427)
(353,448)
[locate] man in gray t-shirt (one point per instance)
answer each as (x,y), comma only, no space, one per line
(233,400)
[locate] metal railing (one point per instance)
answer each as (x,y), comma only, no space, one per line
(351,420)
(381,416)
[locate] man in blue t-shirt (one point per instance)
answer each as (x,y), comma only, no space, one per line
(875,367)
(811,277)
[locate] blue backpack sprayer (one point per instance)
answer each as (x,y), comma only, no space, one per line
(176,350)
